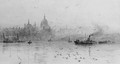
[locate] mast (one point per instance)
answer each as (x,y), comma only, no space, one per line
(17,37)
(3,36)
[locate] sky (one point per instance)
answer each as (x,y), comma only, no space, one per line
(61,12)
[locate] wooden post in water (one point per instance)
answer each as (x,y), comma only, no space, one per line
(10,51)
(28,54)
(89,51)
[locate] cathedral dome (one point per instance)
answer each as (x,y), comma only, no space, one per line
(44,24)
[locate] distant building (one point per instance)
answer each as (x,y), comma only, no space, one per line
(46,31)
(29,31)
(44,24)
(28,26)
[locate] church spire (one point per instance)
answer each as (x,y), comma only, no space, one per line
(28,21)
(35,24)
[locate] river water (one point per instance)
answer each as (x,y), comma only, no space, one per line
(58,53)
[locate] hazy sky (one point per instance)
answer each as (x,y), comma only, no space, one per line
(70,12)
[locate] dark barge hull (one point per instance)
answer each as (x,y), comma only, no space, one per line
(8,42)
(83,43)
(87,42)
(13,41)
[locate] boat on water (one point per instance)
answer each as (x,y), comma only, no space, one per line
(6,40)
(85,42)
(29,42)
(11,39)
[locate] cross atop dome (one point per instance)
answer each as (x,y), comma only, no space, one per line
(28,21)
(44,16)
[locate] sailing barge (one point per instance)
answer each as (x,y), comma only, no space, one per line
(11,39)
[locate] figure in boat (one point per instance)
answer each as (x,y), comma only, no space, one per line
(29,42)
